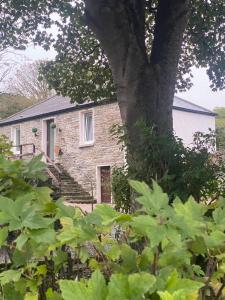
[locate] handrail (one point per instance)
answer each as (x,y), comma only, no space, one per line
(27,144)
(48,159)
(53,177)
(20,155)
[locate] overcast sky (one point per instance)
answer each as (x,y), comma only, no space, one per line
(200,93)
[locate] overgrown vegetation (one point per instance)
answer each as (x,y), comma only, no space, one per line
(181,171)
(220,127)
(11,104)
(5,146)
(49,250)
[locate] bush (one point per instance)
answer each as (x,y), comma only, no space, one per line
(5,146)
(181,171)
(159,252)
(121,189)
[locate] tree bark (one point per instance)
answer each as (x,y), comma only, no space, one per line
(145,85)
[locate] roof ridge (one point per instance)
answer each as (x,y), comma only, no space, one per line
(26,108)
(189,102)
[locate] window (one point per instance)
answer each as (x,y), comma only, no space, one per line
(16,139)
(87,130)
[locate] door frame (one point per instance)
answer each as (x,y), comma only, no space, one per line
(98,181)
(44,135)
(13,137)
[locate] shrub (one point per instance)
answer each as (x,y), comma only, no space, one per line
(181,171)
(5,146)
(121,189)
(159,252)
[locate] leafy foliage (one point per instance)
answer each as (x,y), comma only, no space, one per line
(27,83)
(5,146)
(159,252)
(220,127)
(81,68)
(11,104)
(181,171)
(121,189)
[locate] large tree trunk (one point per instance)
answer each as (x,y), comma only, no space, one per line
(144,84)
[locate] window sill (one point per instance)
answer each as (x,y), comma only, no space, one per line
(83,145)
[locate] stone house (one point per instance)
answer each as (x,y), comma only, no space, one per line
(77,137)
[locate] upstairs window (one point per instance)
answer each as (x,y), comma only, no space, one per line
(87,128)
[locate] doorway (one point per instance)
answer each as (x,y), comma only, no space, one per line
(50,138)
(105,184)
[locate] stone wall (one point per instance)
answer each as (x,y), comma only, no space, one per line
(79,160)
(82,161)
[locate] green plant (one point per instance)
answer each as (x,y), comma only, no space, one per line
(53,125)
(121,189)
(159,252)
(5,146)
(34,130)
(181,171)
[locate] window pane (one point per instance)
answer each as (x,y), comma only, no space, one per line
(88,127)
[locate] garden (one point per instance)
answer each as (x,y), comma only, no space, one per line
(50,251)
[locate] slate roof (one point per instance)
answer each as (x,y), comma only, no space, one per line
(58,104)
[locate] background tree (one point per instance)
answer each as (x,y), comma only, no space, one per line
(26,82)
(7,63)
(144,47)
(10,104)
(220,127)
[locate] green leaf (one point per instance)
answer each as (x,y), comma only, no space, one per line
(215,239)
(175,257)
(35,221)
(149,227)
(43,236)
(118,287)
(165,296)
(140,187)
(154,200)
(31,296)
(10,293)
(189,217)
(3,235)
(73,290)
(21,240)
(10,275)
(139,284)
(97,287)
(60,258)
(129,259)
(105,213)
(188,286)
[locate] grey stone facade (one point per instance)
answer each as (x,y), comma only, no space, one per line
(81,161)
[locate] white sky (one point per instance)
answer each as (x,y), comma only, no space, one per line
(200,93)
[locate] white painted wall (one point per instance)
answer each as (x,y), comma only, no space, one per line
(185,124)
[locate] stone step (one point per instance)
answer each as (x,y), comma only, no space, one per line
(68,182)
(79,201)
(73,189)
(70,189)
(75,194)
(72,186)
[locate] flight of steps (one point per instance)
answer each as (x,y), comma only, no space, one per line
(69,189)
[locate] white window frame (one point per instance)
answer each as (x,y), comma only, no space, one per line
(83,142)
(13,139)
